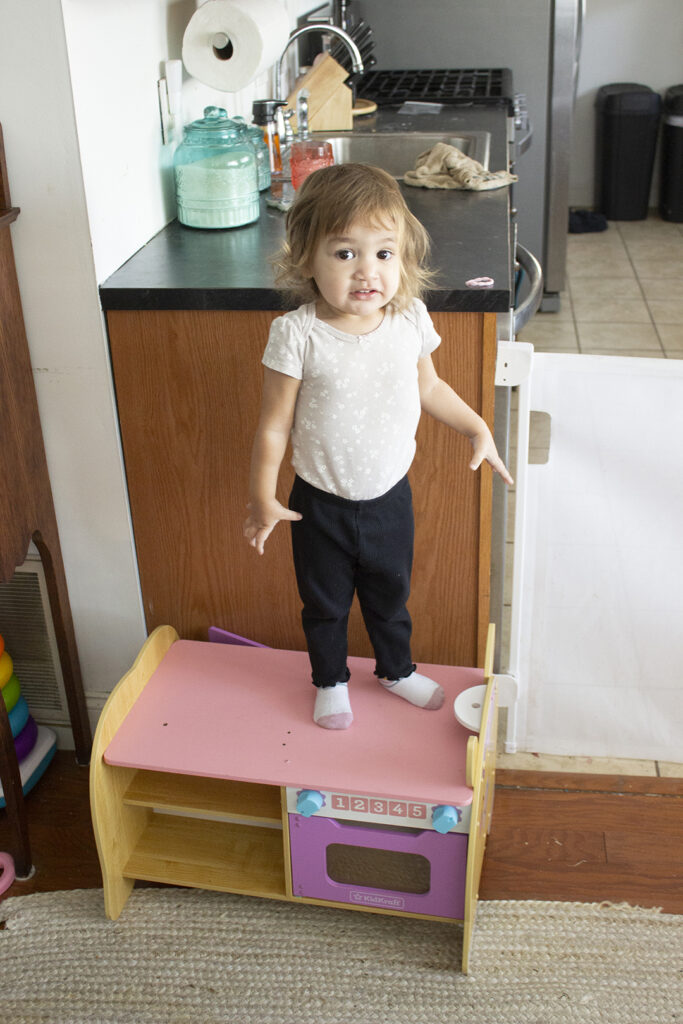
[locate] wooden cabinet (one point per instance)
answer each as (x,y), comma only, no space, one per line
(188,390)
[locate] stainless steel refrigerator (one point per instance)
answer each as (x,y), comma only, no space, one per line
(540,41)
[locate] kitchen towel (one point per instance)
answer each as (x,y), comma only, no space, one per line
(227,43)
(445,166)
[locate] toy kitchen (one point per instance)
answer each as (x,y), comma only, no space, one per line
(207,771)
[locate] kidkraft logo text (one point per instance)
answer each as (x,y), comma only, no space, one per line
(375,899)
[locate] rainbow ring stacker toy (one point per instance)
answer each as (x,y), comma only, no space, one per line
(34,744)
(6,667)
(6,872)
(11,692)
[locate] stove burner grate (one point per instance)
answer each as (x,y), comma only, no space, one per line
(470,85)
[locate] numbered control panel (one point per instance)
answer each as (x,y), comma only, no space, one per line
(378,810)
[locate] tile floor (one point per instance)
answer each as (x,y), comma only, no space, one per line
(624,296)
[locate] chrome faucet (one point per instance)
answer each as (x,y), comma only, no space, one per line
(354,52)
(302,114)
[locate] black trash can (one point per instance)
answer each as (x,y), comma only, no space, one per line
(671,188)
(627,121)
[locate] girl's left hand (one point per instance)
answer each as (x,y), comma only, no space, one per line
(486,451)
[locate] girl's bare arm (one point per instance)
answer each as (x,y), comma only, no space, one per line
(440,400)
(270,444)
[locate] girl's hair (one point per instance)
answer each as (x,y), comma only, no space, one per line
(332,199)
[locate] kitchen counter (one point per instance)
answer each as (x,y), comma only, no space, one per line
(194,269)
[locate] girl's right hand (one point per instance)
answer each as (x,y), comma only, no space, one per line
(262,520)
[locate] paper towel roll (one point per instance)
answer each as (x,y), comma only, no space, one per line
(227,43)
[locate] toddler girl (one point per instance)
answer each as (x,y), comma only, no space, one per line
(347,375)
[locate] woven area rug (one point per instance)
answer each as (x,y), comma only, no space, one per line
(180,955)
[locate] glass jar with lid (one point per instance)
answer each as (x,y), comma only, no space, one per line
(255,136)
(216,174)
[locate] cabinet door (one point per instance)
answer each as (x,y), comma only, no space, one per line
(188,389)
(451,571)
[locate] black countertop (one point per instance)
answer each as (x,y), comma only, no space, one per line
(192,268)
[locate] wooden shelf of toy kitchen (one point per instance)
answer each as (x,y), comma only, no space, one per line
(208,834)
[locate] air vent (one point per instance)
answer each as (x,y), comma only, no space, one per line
(26,625)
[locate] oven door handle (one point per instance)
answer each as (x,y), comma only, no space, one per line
(524,142)
(524,130)
(530,265)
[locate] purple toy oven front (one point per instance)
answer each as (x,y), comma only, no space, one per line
(416,872)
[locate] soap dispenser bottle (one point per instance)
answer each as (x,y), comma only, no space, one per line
(307,154)
(264,114)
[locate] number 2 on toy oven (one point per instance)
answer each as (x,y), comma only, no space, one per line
(359,804)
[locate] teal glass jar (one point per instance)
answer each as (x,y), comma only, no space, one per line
(216,174)
(255,137)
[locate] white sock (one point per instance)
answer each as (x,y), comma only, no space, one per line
(332,707)
(418,690)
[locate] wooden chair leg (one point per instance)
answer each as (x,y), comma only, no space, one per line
(55,579)
(14,796)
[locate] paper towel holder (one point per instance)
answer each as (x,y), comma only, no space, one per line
(354,52)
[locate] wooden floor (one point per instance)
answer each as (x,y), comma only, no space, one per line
(553,837)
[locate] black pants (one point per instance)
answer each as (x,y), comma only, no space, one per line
(344,547)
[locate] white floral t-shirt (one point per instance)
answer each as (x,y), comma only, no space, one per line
(358,405)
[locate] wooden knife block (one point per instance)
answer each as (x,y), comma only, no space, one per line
(330,101)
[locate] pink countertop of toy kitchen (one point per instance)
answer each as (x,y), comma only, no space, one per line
(245,713)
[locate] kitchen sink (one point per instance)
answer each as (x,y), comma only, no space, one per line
(396,152)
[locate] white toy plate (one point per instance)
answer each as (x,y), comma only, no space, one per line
(468,707)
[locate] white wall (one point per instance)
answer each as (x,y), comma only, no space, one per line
(79,110)
(66,337)
(624,41)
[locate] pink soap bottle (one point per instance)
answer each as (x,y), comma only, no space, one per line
(306,154)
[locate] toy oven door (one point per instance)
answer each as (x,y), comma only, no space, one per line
(402,869)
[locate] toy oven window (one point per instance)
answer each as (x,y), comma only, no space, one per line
(378,869)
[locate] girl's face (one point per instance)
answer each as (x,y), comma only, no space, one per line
(357,274)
